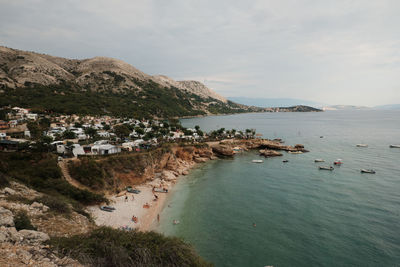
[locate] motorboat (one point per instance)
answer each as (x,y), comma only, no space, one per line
(361,145)
(319,160)
(160,190)
(285,160)
(338,162)
(257,161)
(132,190)
(330,168)
(394,146)
(368,171)
(107,208)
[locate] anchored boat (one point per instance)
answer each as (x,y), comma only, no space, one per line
(394,146)
(361,145)
(368,171)
(295,152)
(319,160)
(330,168)
(257,161)
(338,162)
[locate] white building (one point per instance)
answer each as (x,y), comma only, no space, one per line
(105,149)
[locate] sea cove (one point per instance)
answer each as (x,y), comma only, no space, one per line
(303,216)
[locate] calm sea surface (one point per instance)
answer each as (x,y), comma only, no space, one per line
(304,216)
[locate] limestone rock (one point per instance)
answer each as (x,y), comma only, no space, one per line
(31,236)
(39,206)
(269,153)
(168,175)
(6,217)
(200,160)
(9,191)
(223,150)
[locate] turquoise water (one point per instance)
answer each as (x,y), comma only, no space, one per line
(304,216)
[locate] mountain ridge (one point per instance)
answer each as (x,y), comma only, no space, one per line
(25,74)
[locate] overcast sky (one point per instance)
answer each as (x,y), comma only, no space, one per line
(335,52)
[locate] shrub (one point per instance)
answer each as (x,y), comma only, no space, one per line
(22,221)
(110,247)
(3,181)
(40,171)
(56,204)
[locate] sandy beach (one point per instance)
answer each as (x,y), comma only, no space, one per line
(133,206)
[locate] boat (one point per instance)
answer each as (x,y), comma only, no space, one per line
(321,136)
(338,162)
(285,160)
(330,168)
(257,161)
(368,171)
(295,152)
(394,146)
(160,190)
(361,145)
(132,190)
(319,160)
(107,208)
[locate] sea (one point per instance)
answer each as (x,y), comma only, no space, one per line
(238,213)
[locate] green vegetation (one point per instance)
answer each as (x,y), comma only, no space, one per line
(56,204)
(22,221)
(41,172)
(110,247)
(153,100)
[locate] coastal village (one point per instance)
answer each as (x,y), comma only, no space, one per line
(120,169)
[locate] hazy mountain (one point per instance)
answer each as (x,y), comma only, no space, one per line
(273,102)
(345,107)
(393,106)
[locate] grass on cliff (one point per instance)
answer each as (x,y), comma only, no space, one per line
(41,172)
(110,247)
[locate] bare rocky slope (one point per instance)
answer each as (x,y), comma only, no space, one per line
(44,82)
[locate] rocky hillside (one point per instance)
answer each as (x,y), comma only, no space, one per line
(100,85)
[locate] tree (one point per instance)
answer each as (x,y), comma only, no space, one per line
(91,131)
(69,135)
(34,129)
(106,127)
(197,127)
(121,131)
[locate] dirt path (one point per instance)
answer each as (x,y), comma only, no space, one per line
(64,169)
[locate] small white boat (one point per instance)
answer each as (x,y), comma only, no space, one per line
(394,146)
(368,171)
(319,160)
(361,145)
(330,168)
(295,152)
(257,161)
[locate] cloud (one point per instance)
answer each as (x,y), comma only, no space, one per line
(328,51)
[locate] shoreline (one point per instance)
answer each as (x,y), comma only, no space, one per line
(146,207)
(121,217)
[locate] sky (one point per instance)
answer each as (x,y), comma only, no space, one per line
(334,52)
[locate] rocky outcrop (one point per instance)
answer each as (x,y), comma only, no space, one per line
(223,150)
(269,153)
(26,247)
(6,217)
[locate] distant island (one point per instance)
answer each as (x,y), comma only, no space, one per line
(106,86)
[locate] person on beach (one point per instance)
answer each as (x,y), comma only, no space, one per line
(133,198)
(158,217)
(126,198)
